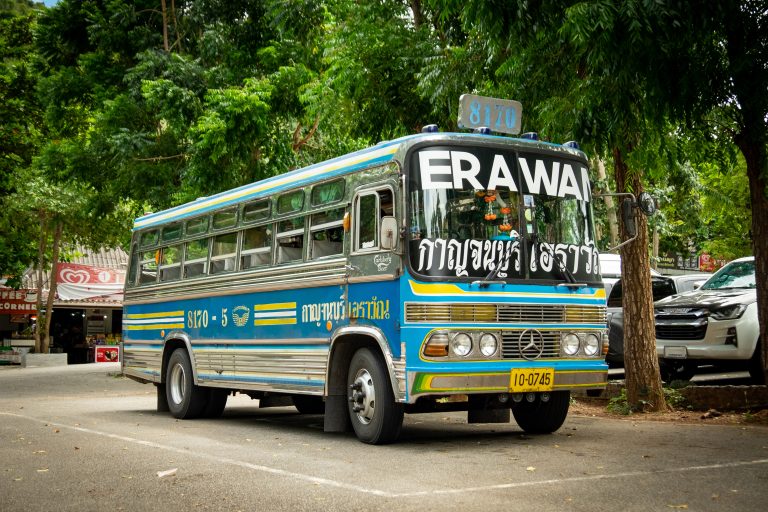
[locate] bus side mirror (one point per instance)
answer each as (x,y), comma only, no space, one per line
(388,233)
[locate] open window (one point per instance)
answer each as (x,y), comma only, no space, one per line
(327,234)
(148,266)
(369,210)
(223,253)
(170,263)
(196,258)
(256,249)
(290,240)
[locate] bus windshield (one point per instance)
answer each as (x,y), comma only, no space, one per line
(472,209)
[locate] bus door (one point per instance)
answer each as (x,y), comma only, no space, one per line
(375,260)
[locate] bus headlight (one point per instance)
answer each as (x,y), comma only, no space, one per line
(571,344)
(461,344)
(437,345)
(591,345)
(488,344)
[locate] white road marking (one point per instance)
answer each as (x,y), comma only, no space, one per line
(387,494)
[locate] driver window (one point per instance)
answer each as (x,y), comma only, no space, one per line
(370,207)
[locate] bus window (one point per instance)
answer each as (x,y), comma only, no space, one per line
(171,233)
(290,202)
(367,216)
(197,226)
(225,219)
(327,233)
(149,238)
(327,193)
(290,240)
(148,267)
(256,211)
(196,258)
(133,266)
(256,249)
(223,253)
(170,263)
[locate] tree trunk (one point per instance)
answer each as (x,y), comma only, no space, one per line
(757,170)
(166,46)
(641,365)
(40,268)
(45,340)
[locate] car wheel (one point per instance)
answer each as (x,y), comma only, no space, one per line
(676,370)
(545,414)
(376,417)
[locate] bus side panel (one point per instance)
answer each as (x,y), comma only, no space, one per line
(276,340)
(377,305)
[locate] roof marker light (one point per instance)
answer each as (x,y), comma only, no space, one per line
(484,130)
(572,144)
(430,128)
(530,136)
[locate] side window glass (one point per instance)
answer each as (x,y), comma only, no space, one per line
(223,253)
(290,240)
(148,266)
(327,193)
(367,216)
(256,247)
(197,226)
(132,268)
(225,219)
(171,233)
(196,258)
(327,234)
(290,202)
(149,238)
(170,263)
(256,211)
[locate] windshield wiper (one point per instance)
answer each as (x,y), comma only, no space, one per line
(561,266)
(491,277)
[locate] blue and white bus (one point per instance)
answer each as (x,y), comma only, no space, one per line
(438,271)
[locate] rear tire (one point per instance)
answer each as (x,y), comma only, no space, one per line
(540,417)
(376,417)
(185,399)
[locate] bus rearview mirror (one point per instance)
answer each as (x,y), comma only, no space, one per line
(388,232)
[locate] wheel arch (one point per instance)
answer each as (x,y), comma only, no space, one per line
(174,340)
(344,343)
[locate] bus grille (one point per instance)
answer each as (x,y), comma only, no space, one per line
(503,313)
(511,346)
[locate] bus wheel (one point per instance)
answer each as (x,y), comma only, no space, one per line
(307,404)
(545,414)
(185,399)
(376,417)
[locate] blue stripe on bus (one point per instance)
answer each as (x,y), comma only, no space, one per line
(231,346)
(261,380)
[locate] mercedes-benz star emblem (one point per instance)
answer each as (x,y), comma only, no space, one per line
(531,344)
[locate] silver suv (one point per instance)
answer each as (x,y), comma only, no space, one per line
(714,325)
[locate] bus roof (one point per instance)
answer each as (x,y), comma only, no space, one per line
(381,153)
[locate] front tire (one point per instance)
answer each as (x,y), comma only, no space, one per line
(185,399)
(376,417)
(540,416)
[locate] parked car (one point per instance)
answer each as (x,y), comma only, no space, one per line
(662,286)
(714,325)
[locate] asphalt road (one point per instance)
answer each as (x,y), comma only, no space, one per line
(84,438)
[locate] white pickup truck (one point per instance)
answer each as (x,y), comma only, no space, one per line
(713,325)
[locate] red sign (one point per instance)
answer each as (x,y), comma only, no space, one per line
(18,302)
(106,353)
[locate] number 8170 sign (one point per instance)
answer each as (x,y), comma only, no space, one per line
(502,116)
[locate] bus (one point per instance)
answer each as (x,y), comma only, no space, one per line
(434,272)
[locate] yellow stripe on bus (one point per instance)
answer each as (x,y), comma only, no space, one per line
(275,321)
(277,305)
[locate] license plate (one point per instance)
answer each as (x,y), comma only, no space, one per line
(525,380)
(675,352)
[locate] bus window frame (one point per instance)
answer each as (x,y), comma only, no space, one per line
(186,263)
(168,266)
(269,226)
(223,257)
(374,190)
(325,226)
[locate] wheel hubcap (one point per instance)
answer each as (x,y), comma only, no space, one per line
(178,381)
(362,396)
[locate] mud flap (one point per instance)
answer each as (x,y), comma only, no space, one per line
(483,409)
(336,414)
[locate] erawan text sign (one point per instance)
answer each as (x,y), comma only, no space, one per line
(485,169)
